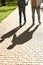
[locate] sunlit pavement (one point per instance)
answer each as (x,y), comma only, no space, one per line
(21,46)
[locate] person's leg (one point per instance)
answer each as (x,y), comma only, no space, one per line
(20,16)
(24,15)
(33,14)
(38,12)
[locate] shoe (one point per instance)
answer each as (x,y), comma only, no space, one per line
(33,23)
(20,26)
(24,23)
(40,23)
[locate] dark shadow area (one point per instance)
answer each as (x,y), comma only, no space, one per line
(9,34)
(24,37)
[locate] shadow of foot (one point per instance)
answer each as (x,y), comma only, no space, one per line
(9,34)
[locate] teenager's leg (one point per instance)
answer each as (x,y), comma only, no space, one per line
(20,16)
(24,15)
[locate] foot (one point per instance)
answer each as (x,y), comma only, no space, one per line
(33,23)
(20,26)
(24,23)
(39,23)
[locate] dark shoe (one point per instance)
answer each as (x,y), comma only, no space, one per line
(39,23)
(33,23)
(24,23)
(20,26)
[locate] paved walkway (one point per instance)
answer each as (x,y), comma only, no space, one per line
(21,46)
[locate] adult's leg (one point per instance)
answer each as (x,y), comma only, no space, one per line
(38,12)
(33,14)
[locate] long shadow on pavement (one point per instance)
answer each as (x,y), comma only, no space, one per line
(24,37)
(9,34)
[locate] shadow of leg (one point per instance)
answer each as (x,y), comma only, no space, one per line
(9,34)
(13,41)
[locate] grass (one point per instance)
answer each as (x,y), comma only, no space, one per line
(6,10)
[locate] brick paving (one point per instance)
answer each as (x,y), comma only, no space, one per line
(21,46)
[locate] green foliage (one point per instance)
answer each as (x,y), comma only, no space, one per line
(6,10)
